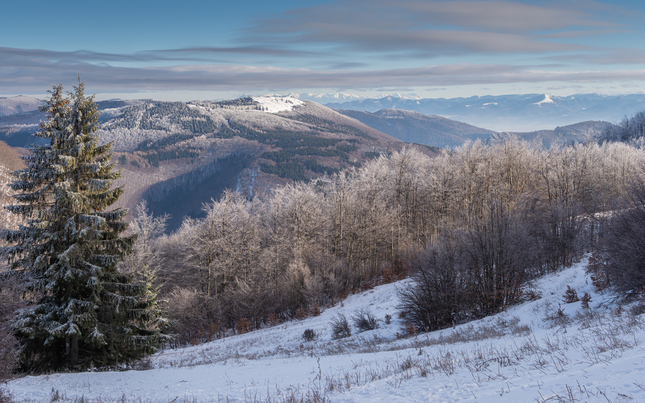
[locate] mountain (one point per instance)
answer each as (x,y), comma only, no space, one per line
(437,131)
(178,155)
(575,133)
(19,104)
(415,127)
(516,113)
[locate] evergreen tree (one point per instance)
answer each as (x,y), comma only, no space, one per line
(86,312)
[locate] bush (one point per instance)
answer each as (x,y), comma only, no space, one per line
(242,326)
(309,335)
(340,327)
(586,299)
(570,296)
(364,320)
(439,290)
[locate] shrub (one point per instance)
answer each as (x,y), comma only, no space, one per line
(340,327)
(301,314)
(586,299)
(309,335)
(410,329)
(570,296)
(388,319)
(315,309)
(273,320)
(440,288)
(637,309)
(242,326)
(364,320)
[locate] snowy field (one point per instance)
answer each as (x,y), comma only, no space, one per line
(531,353)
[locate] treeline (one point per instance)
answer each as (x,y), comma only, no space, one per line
(471,226)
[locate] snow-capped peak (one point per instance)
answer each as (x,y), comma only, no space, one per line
(547,100)
(275,104)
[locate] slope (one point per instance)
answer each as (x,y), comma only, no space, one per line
(415,127)
(542,350)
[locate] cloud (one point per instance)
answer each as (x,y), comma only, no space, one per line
(9,56)
(606,57)
(433,28)
(35,75)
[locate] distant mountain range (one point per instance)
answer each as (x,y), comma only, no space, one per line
(437,131)
(511,113)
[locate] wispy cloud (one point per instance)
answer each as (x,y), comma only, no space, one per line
(611,56)
(434,28)
(35,74)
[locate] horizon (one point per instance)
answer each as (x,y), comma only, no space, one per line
(430,49)
(307,96)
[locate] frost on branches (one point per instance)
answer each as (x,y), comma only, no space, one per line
(85,312)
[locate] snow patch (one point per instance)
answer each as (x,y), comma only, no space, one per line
(273,104)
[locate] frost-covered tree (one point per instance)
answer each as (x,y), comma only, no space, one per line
(85,311)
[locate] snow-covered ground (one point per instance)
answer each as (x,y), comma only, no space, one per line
(531,353)
(274,104)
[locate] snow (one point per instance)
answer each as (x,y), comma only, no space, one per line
(547,100)
(490,103)
(273,104)
(529,353)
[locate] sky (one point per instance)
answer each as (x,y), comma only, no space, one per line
(171,50)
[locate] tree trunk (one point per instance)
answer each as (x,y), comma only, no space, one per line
(73,353)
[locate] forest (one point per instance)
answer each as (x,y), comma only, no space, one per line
(472,227)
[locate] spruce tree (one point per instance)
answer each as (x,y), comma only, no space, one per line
(85,311)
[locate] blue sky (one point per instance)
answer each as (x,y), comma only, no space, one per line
(214,49)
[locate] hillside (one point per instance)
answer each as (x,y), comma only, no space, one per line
(179,156)
(570,134)
(19,104)
(415,127)
(529,353)
(437,131)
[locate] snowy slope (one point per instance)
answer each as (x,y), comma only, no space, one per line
(528,354)
(18,104)
(274,104)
